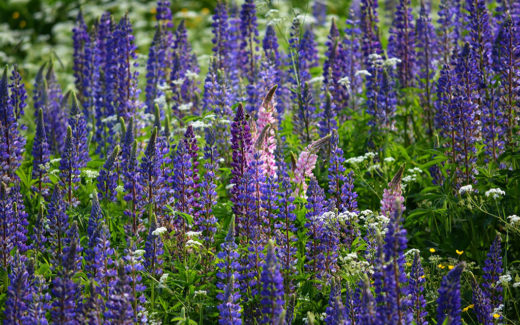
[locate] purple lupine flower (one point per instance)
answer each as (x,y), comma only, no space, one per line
(348,194)
(352,304)
(448,303)
(426,52)
(127,142)
(41,154)
(249,51)
(272,294)
(353,60)
(241,142)
(92,306)
(393,194)
(492,121)
(336,175)
(65,291)
(401,43)
(480,40)
(18,96)
(190,141)
(286,226)
(69,167)
(492,271)
(220,40)
(327,123)
(78,124)
(229,309)
(482,304)
(38,237)
(11,141)
(132,188)
(319,11)
(448,31)
(316,203)
(94,223)
(305,115)
(82,61)
(369,20)
(335,311)
(19,292)
(394,284)
(119,304)
(54,115)
(505,63)
(183,82)
(133,267)
(109,176)
(273,60)
(334,68)
(367,311)
(39,305)
(104,264)
(182,186)
(207,221)
(58,222)
(466,111)
(150,175)
(153,251)
(19,235)
(416,289)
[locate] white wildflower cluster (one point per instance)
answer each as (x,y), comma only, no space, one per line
(162,280)
(139,252)
(185,107)
(345,82)
(193,243)
(161,100)
(412,176)
(376,60)
(352,265)
(373,220)
(374,167)
(504,279)
(55,160)
(159,231)
(360,159)
(198,124)
(514,219)
(516,285)
(200,292)
(466,189)
(389,159)
(191,75)
(499,309)
(89,173)
(412,252)
(192,234)
(120,189)
(495,193)
(364,73)
(391,62)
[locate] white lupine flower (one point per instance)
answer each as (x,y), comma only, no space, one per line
(465,189)
(495,193)
(159,231)
(363,73)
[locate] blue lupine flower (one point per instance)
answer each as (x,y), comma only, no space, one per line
(153,251)
(19,292)
(40,154)
(58,221)
(272,294)
(448,303)
(18,96)
(335,311)
(401,43)
(109,176)
(416,289)
(492,271)
(69,166)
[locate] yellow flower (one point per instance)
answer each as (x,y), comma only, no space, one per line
(459,252)
(408,264)
(16,15)
(450,267)
(465,309)
(423,276)
(496,316)
(432,250)
(440,266)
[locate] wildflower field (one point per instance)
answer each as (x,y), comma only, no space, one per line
(260,162)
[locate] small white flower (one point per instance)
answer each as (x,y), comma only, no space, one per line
(200,292)
(495,193)
(516,285)
(389,159)
(139,252)
(367,212)
(177,82)
(185,107)
(163,278)
(391,62)
(514,219)
(193,243)
(198,124)
(191,75)
(193,233)
(56,160)
(159,231)
(363,73)
(356,160)
(89,173)
(504,279)
(409,178)
(120,189)
(466,188)
(374,167)
(230,186)
(370,155)
(345,81)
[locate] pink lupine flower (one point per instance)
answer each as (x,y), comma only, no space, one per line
(305,164)
(266,118)
(392,194)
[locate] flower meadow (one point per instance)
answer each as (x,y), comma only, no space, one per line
(289,165)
